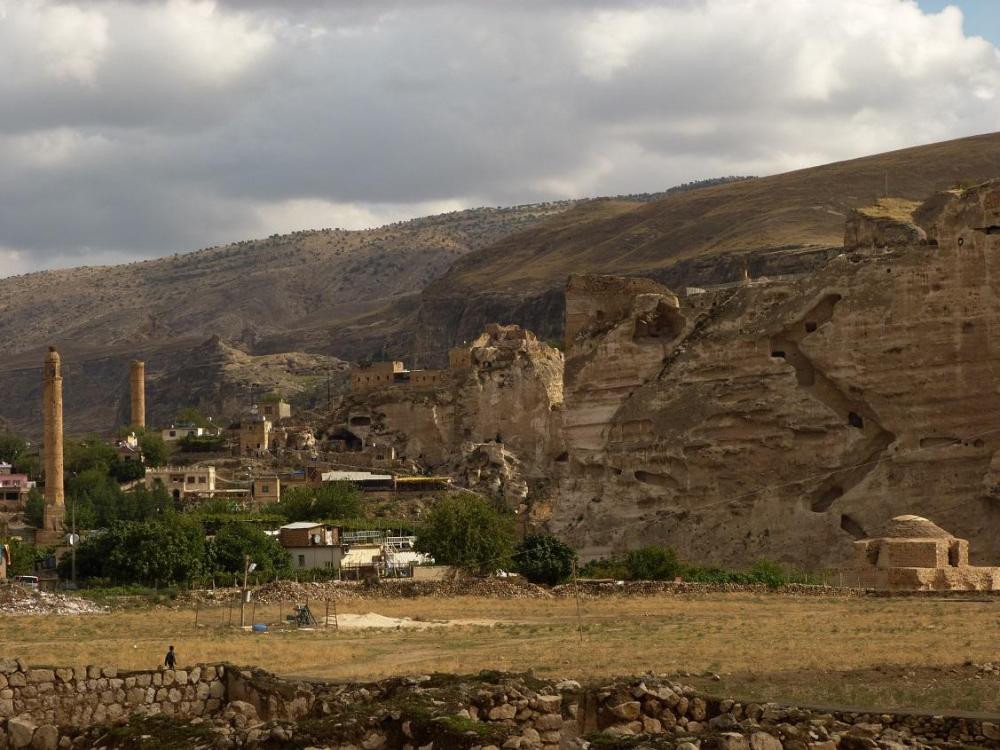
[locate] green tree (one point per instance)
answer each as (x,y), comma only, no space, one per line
(652,563)
(542,558)
(337,500)
(190,415)
(11,447)
(23,557)
(168,550)
(296,504)
(235,540)
(89,453)
(34,507)
(467,532)
(154,449)
(333,500)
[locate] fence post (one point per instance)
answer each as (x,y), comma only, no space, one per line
(326,618)
(196,607)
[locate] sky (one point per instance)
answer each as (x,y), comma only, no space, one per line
(139,128)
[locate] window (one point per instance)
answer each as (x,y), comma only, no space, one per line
(190,480)
(202,480)
(302,561)
(173,433)
(264,488)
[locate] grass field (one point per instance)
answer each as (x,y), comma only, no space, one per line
(764,647)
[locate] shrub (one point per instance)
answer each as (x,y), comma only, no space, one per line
(467,532)
(542,558)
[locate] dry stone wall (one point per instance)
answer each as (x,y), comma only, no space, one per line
(52,708)
(93,694)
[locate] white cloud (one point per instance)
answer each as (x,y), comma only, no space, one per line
(151,126)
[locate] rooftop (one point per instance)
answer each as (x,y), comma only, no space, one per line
(914,527)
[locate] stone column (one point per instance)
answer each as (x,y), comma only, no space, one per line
(138,380)
(52,413)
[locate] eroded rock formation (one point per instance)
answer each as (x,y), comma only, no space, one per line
(489,423)
(784,418)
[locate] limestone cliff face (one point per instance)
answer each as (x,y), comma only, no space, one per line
(783,419)
(508,395)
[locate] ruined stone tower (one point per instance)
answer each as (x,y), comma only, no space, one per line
(138,380)
(52,414)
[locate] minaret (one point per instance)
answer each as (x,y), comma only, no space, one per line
(138,380)
(52,412)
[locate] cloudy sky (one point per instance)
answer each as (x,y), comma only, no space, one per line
(137,128)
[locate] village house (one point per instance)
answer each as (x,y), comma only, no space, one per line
(266,490)
(183,481)
(128,448)
(176,432)
(14,489)
(312,545)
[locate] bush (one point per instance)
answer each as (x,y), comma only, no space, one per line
(652,563)
(542,558)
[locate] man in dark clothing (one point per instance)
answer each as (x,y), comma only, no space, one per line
(171,659)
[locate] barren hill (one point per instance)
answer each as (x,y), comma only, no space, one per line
(777,224)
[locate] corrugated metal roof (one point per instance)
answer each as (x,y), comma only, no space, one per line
(301,525)
(353,476)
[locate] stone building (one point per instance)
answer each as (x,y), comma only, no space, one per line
(183,481)
(255,433)
(275,410)
(917,555)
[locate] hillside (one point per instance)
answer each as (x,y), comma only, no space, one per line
(281,294)
(780,223)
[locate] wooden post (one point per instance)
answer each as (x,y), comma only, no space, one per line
(196,603)
(326,618)
(230,613)
(253,612)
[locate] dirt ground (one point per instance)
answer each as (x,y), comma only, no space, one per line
(864,652)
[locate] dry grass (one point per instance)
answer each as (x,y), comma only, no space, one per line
(755,642)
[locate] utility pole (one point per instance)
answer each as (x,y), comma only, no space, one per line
(73,541)
(243,594)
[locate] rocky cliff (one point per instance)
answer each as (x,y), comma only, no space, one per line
(490,421)
(783,418)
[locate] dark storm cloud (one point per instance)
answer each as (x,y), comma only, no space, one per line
(138,128)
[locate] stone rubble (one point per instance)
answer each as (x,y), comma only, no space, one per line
(17,600)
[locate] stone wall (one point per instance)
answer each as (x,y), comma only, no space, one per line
(92,695)
(237,707)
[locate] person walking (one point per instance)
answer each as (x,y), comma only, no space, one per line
(171,659)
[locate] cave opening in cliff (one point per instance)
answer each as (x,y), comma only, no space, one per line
(351,441)
(856,420)
(778,354)
(360,421)
(852,527)
(810,326)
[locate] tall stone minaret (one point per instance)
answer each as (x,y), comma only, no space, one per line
(52,413)
(138,381)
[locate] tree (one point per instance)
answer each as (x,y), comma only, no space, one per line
(337,500)
(190,415)
(333,500)
(90,453)
(652,563)
(296,504)
(34,508)
(235,540)
(467,532)
(169,550)
(154,449)
(542,558)
(11,447)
